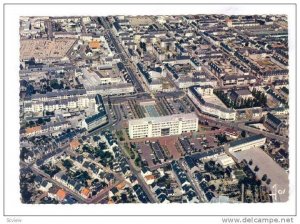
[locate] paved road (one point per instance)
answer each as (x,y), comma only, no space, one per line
(123,55)
(240,125)
(267,134)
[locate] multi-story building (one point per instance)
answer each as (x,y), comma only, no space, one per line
(208,103)
(272,122)
(80,102)
(152,79)
(113,89)
(235,80)
(100,118)
(163,126)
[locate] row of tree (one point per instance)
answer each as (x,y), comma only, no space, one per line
(259,100)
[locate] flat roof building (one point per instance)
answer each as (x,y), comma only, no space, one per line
(162,126)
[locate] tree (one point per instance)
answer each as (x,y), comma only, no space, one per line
(49,113)
(212,187)
(137,161)
(40,121)
(67,164)
(264,177)
(96,138)
(23,153)
(31,123)
(250,162)
(143,46)
(54,84)
(268,181)
(256,168)
(243,134)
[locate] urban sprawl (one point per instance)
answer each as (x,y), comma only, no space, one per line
(154,109)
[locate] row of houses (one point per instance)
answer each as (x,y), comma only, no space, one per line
(45,129)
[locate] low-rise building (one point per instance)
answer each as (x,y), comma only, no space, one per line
(247,143)
(273,123)
(224,160)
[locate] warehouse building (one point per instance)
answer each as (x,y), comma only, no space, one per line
(247,143)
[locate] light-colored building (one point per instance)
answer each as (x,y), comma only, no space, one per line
(80,102)
(111,90)
(208,103)
(224,160)
(97,120)
(247,143)
(162,126)
(152,78)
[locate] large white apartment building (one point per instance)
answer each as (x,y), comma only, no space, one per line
(204,98)
(162,126)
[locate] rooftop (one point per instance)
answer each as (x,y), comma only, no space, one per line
(169,118)
(246,140)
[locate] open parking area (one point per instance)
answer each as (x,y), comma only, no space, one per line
(279,178)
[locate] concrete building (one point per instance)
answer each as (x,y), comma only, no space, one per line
(208,103)
(96,120)
(111,90)
(163,126)
(225,161)
(152,78)
(247,143)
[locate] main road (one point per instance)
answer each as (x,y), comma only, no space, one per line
(123,55)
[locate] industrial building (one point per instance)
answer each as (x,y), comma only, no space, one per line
(247,143)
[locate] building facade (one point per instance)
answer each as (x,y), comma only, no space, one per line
(199,95)
(162,126)
(247,143)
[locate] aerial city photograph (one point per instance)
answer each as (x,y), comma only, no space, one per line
(154,109)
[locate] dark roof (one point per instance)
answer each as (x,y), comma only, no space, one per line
(95,117)
(209,195)
(274,119)
(38,179)
(44,183)
(207,153)
(190,162)
(246,140)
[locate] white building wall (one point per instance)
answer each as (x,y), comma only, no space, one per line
(145,128)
